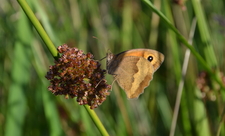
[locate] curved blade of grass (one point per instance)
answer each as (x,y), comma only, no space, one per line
(184,41)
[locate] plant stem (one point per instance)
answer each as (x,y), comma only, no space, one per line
(96,120)
(39,28)
(55,54)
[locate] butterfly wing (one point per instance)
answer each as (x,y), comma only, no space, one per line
(133,74)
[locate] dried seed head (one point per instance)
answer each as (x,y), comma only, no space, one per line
(76,74)
(206,86)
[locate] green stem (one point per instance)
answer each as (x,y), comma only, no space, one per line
(96,120)
(55,54)
(39,28)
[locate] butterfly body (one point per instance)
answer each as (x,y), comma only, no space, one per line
(134,69)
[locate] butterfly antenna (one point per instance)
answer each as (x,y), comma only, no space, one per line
(102,43)
(102,58)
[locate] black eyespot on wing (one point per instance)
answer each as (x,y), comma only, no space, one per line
(150,58)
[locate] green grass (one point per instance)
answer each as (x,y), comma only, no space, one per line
(28,108)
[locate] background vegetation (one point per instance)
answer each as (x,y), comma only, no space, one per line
(28,108)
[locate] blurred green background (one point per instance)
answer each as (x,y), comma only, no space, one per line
(28,108)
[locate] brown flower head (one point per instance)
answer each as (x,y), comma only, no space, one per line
(204,83)
(76,74)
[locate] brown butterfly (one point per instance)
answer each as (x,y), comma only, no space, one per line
(134,69)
